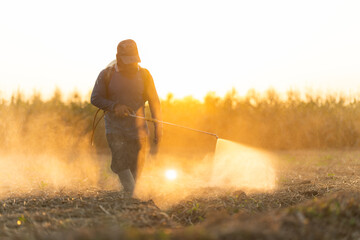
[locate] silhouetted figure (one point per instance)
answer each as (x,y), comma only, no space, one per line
(122,90)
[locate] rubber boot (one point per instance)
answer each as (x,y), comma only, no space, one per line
(128,182)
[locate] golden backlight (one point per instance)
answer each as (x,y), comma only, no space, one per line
(249,50)
(233,167)
(237,165)
(171,174)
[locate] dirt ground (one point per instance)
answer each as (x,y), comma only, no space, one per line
(317,197)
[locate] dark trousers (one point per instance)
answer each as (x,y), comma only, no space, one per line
(127,153)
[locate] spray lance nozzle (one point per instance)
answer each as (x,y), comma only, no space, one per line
(172,124)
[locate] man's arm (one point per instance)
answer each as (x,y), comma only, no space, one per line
(98,95)
(154,104)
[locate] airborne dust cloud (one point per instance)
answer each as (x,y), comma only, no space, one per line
(230,166)
(44,149)
(48,149)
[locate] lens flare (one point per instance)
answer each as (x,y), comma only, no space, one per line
(171,174)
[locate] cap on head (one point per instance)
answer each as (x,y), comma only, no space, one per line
(127,51)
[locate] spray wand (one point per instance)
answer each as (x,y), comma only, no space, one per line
(95,123)
(172,124)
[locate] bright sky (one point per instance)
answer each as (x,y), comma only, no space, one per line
(190,47)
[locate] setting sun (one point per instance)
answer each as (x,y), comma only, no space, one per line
(171,174)
(241,44)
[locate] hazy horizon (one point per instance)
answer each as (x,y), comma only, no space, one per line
(190,48)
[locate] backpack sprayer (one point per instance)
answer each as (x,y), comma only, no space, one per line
(150,120)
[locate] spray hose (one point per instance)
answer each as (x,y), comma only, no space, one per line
(95,123)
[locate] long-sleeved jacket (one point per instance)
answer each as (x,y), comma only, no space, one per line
(131,91)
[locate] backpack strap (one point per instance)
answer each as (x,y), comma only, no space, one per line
(109,71)
(145,76)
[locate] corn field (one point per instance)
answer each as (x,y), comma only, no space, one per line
(266,120)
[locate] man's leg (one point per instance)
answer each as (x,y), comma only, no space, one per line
(119,161)
(139,158)
(128,182)
(128,157)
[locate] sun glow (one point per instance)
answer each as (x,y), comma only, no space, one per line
(171,174)
(251,49)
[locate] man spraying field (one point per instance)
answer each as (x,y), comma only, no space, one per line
(122,90)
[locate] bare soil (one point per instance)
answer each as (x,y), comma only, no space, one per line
(317,197)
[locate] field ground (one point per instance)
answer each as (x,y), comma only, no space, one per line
(317,197)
